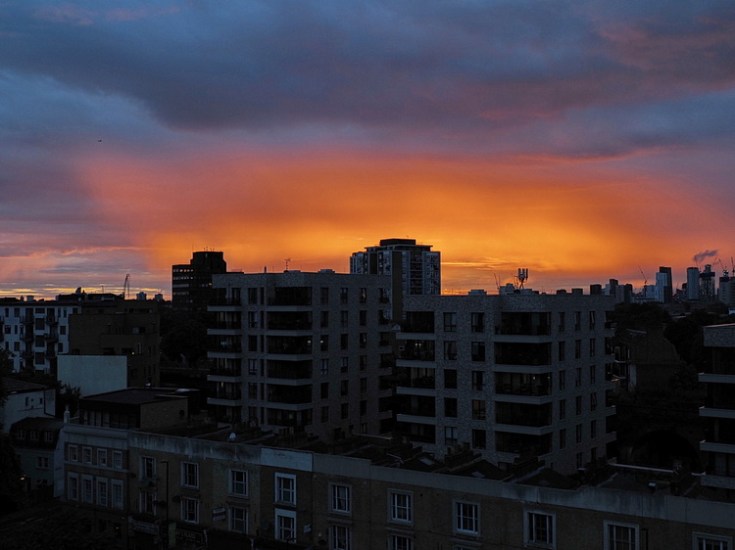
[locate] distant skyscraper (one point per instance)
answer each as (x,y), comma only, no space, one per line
(664,285)
(414,268)
(692,283)
(191,284)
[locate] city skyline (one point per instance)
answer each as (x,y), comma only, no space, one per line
(584,141)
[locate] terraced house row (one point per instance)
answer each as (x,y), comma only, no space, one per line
(220,491)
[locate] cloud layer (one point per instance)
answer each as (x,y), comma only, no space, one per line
(580,138)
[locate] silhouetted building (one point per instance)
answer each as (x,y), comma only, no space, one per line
(191,284)
(302,352)
(128,328)
(413,268)
(664,285)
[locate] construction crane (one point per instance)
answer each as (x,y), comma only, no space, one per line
(126,287)
(645,282)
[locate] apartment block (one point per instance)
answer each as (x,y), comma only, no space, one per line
(191,284)
(719,408)
(302,352)
(219,492)
(35,332)
(512,376)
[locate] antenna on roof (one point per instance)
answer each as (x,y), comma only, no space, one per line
(522,276)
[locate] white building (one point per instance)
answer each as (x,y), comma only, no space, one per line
(35,332)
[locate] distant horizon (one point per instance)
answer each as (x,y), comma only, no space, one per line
(486,282)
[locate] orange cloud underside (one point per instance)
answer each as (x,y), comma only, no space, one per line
(316,209)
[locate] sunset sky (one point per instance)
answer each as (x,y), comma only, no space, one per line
(582,140)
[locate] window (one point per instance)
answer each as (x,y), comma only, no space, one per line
(478,409)
(239,483)
(87,489)
(401,507)
(117,494)
(117,460)
(72,488)
(286,525)
(562,409)
(190,510)
(703,541)
(450,435)
(593,429)
(87,455)
(539,528)
(479,439)
(621,536)
(562,351)
(477,322)
(578,405)
(101,457)
(102,492)
(466,518)
(325,366)
(577,377)
(477,380)
(562,380)
(190,474)
(286,488)
(340,538)
(450,407)
(147,467)
(341,499)
(252,367)
(450,350)
(238,519)
(147,502)
(400,542)
(478,351)
(562,438)
(450,379)
(578,433)
(593,401)
(345,364)
(42,463)
(593,347)
(450,322)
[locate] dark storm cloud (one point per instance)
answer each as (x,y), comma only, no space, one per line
(436,67)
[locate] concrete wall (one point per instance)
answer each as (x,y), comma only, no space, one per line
(93,374)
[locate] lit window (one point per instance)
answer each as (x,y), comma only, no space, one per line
(401,507)
(286,488)
(539,529)
(621,536)
(466,518)
(341,501)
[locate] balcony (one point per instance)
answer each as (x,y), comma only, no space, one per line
(534,355)
(519,414)
(289,370)
(523,384)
